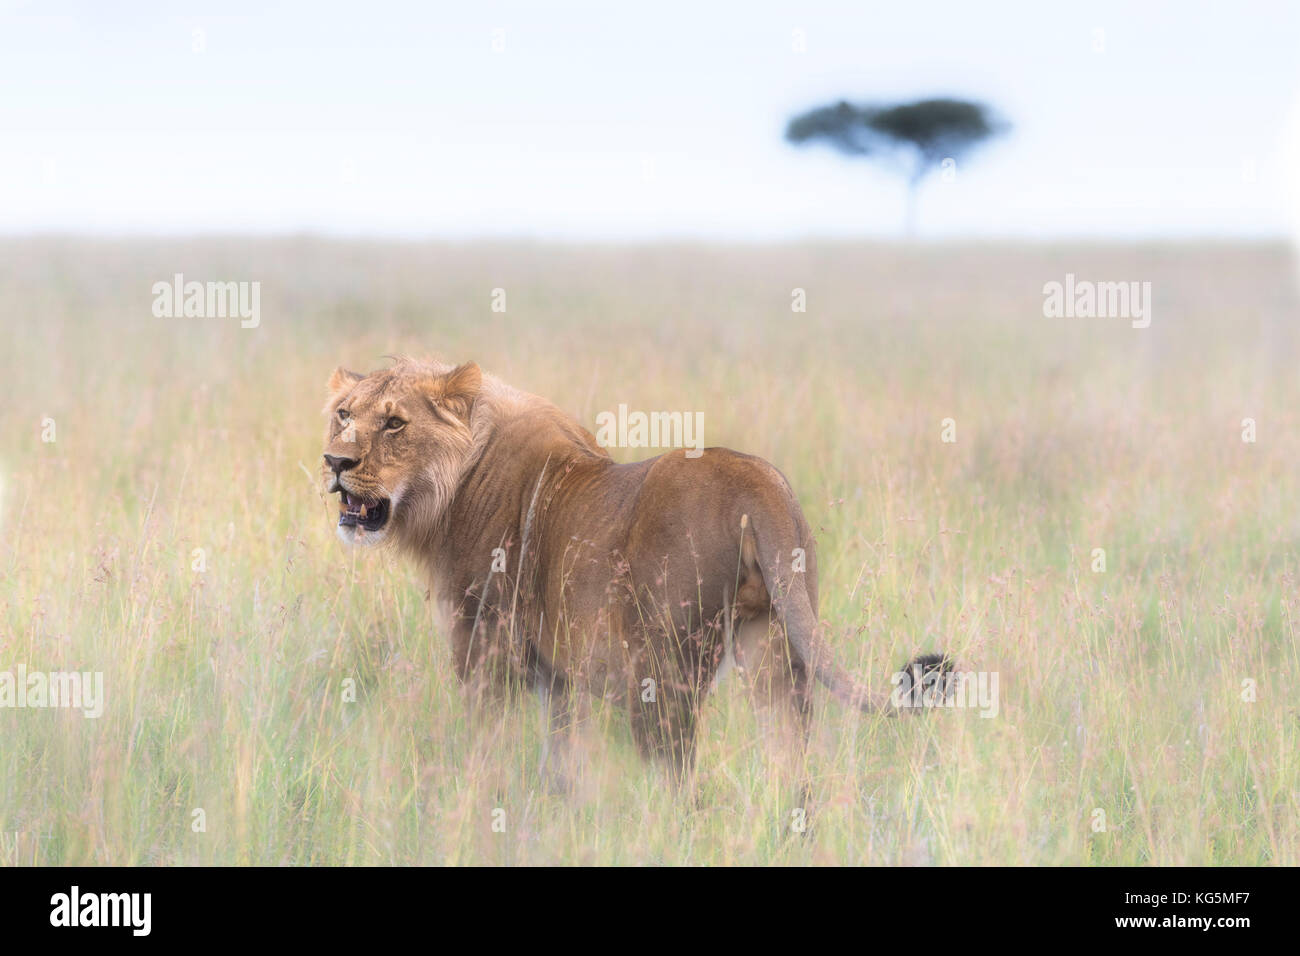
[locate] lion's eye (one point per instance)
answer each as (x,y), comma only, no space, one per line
(344,414)
(393,424)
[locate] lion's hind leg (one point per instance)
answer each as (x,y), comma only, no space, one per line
(779,687)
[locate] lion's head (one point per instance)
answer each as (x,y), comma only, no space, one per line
(397,443)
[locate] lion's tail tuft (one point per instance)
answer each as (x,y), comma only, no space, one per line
(792,606)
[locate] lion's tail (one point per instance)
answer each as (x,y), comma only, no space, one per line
(793,608)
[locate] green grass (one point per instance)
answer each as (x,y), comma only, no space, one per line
(1120,691)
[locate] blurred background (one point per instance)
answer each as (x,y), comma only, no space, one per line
(583,121)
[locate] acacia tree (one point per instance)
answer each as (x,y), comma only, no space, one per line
(916,137)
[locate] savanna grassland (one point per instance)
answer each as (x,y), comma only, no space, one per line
(174,537)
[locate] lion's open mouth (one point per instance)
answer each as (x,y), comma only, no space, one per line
(358,512)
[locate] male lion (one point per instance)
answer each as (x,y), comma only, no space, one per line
(569,572)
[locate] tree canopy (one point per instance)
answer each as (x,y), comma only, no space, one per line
(924,133)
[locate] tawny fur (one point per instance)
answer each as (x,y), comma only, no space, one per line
(622,581)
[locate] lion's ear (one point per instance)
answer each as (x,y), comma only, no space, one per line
(457,390)
(342,380)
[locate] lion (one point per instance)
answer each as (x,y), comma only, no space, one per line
(562,570)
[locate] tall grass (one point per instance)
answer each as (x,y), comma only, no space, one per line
(1120,691)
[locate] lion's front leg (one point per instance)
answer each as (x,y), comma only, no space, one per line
(481,661)
(558,762)
(664,696)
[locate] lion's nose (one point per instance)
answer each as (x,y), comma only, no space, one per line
(340,464)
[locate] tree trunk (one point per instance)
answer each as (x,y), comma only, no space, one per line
(913,197)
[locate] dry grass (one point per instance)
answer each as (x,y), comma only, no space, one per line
(1120,691)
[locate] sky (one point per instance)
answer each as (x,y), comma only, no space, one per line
(609,122)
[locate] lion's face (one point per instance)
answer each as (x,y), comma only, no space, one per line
(396,445)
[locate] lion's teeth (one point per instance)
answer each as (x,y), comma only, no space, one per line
(363,511)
